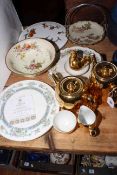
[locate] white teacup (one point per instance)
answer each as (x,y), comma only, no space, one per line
(65,121)
(87,117)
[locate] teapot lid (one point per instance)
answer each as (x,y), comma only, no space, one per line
(71,85)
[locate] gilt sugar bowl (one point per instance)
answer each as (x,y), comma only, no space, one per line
(105,72)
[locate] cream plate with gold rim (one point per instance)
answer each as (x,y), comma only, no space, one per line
(30,57)
(86,32)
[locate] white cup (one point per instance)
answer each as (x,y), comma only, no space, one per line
(65,121)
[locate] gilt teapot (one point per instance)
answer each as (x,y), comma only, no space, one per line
(68,90)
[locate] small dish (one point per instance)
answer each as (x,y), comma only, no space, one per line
(111,161)
(76,72)
(64,57)
(64,121)
(59,158)
(30,57)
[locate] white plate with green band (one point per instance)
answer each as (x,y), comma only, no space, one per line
(27,109)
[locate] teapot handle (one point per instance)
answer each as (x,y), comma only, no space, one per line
(56,77)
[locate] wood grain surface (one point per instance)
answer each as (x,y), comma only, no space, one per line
(78,141)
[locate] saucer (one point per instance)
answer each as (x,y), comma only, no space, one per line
(76,72)
(64,57)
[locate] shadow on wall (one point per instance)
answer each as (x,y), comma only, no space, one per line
(32,11)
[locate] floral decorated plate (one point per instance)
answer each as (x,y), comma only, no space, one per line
(86,32)
(64,57)
(30,57)
(49,30)
(27,109)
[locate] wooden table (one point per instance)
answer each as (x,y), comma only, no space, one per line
(78,141)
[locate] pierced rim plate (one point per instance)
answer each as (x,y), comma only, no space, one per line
(27,109)
(48,30)
(64,56)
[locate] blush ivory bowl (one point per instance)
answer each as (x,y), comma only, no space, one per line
(64,121)
(30,57)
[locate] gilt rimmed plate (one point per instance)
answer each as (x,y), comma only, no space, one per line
(27,109)
(48,30)
(86,32)
(30,57)
(64,57)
